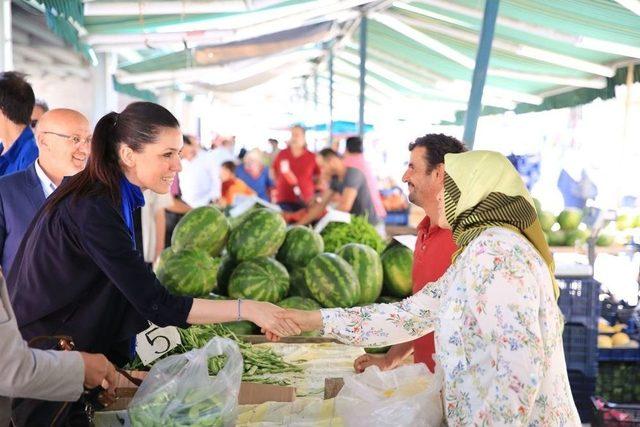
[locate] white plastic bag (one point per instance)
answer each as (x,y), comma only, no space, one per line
(179,391)
(405,396)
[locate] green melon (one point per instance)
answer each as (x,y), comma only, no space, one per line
(569,219)
(260,235)
(262,279)
(557,238)
(224,274)
(189,272)
(298,285)
(204,228)
(366,263)
(605,239)
(397,263)
(377,350)
(164,256)
(547,219)
(331,281)
(300,245)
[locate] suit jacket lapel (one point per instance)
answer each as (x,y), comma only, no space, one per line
(35,192)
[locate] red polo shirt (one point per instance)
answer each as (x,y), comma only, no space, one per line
(431,258)
(305,169)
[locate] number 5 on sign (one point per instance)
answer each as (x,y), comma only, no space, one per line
(156,341)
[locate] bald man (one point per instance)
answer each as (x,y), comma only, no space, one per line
(64,142)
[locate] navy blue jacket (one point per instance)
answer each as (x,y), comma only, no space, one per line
(21,197)
(77,273)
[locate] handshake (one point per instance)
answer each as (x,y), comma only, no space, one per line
(276,322)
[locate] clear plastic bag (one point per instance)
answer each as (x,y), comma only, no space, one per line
(179,391)
(405,396)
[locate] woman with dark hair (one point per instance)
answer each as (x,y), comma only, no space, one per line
(78,272)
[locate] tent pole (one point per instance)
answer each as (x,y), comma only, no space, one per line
(363,73)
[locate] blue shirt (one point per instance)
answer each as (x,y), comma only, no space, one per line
(22,153)
(260,185)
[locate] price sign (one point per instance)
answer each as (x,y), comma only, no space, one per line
(156,341)
(408,240)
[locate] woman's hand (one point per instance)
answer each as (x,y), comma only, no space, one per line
(305,320)
(266,315)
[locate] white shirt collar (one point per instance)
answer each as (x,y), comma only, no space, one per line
(47,185)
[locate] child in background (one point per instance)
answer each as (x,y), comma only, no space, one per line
(231,185)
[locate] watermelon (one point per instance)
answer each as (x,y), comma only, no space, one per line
(262,279)
(204,228)
(331,281)
(547,219)
(243,327)
(189,272)
(569,219)
(164,256)
(300,303)
(397,263)
(298,285)
(260,235)
(300,245)
(366,263)
(224,274)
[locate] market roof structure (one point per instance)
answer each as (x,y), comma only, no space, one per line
(545,53)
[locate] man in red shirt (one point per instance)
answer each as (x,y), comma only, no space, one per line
(296,172)
(434,245)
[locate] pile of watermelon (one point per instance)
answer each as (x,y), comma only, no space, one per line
(257,257)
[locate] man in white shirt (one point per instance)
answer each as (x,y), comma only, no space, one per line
(64,142)
(199,181)
(153,221)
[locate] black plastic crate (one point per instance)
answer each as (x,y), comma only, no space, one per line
(615,414)
(579,300)
(619,355)
(581,348)
(582,388)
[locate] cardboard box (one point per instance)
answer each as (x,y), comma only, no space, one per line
(250,393)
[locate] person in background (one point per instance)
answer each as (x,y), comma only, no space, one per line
(63,137)
(434,246)
(39,374)
(39,109)
(354,158)
(232,187)
(199,181)
(255,174)
(18,147)
(153,218)
(350,187)
(273,151)
(78,271)
(296,172)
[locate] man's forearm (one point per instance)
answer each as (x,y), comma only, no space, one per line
(179,207)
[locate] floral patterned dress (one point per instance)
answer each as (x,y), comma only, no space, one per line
(498,334)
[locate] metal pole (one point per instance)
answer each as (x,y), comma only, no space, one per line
(315,89)
(480,71)
(330,95)
(105,98)
(363,73)
(6,37)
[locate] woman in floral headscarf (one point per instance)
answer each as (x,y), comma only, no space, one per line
(497,324)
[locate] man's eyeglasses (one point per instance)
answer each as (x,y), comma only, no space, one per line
(73,138)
